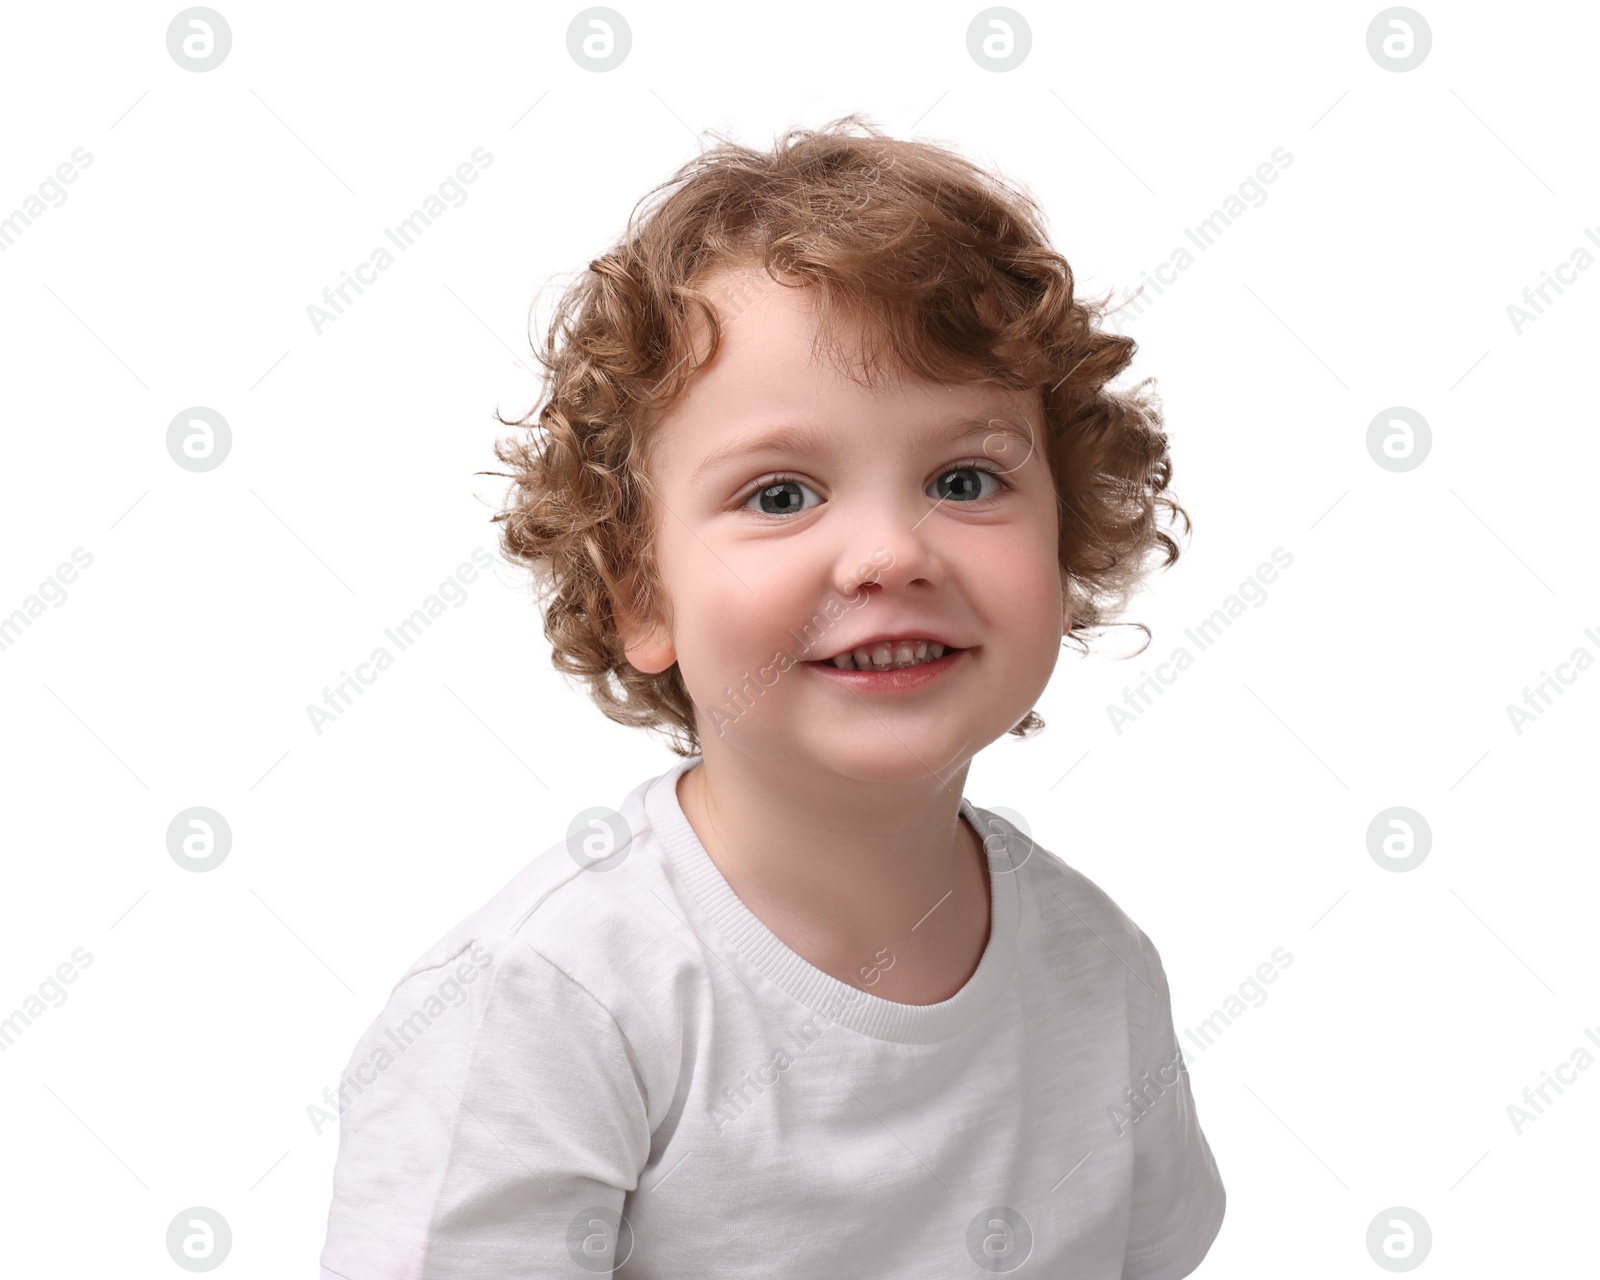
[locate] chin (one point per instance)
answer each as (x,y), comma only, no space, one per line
(879,757)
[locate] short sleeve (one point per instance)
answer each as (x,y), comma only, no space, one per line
(1178,1197)
(491,1120)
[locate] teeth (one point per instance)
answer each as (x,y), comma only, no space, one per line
(886,657)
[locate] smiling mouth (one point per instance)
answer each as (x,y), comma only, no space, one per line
(865,659)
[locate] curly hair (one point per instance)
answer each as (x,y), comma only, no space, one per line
(951,271)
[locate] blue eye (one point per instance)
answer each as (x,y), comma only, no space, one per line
(778,491)
(774,490)
(968,492)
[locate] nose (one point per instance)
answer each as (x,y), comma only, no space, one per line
(893,545)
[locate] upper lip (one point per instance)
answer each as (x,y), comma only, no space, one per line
(890,638)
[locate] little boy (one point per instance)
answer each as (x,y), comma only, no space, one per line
(798,1008)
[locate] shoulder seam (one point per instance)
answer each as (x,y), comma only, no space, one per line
(418,970)
(628,1045)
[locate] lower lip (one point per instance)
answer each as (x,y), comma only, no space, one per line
(889,681)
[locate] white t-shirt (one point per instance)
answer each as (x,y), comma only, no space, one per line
(625,1037)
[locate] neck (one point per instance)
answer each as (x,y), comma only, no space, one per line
(857,876)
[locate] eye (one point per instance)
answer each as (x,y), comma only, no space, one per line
(776,496)
(967,491)
(776,491)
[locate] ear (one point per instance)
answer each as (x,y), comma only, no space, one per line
(645,641)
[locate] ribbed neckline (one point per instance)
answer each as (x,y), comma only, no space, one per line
(822,993)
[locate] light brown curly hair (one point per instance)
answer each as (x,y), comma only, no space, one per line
(950,270)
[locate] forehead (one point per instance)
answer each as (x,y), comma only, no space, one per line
(775,366)
(767,327)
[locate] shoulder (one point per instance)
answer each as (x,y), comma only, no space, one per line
(552,906)
(595,891)
(1079,919)
(542,992)
(1061,892)
(588,936)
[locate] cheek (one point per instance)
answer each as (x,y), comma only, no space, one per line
(1028,577)
(730,624)
(1041,627)
(1046,622)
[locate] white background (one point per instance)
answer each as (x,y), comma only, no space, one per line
(1228,821)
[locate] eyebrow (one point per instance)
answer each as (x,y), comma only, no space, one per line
(810,438)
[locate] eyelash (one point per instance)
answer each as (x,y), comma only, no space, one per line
(784,478)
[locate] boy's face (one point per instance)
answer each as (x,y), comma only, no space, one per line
(764,579)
